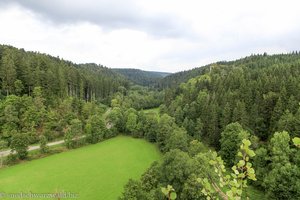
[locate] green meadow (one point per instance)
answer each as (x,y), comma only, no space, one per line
(93,172)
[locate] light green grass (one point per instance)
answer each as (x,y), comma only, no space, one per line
(94,172)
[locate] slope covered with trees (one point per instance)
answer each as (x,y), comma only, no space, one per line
(256,98)
(140,77)
(260,92)
(21,71)
(43,98)
(230,106)
(174,80)
(243,115)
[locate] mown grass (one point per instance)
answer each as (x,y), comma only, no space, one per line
(93,172)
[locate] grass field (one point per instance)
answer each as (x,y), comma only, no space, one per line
(93,172)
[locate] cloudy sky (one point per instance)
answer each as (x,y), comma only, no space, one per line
(163,35)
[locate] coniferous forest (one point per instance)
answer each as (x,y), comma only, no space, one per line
(228,130)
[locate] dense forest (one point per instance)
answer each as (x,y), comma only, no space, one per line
(144,78)
(21,72)
(226,130)
(43,96)
(174,80)
(260,92)
(255,98)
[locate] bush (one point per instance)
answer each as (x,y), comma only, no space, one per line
(43,144)
(11,159)
(19,143)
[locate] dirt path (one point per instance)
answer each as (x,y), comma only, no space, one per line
(31,148)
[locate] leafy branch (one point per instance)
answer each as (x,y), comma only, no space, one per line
(169,192)
(236,181)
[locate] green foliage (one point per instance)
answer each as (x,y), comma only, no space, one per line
(178,140)
(169,192)
(117,119)
(145,78)
(133,191)
(195,148)
(19,87)
(20,144)
(282,182)
(283,173)
(21,71)
(95,172)
(238,91)
(192,189)
(260,163)
(11,159)
(43,144)
(166,126)
(236,181)
(231,139)
(138,98)
(150,127)
(95,129)
(3,145)
(74,134)
(296,141)
(7,70)
(175,79)
(258,93)
(131,124)
(261,93)
(176,167)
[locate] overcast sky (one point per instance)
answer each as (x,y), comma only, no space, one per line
(162,35)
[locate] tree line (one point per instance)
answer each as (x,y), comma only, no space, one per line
(243,115)
(21,72)
(144,78)
(261,94)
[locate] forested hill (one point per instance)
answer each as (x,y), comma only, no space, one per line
(174,80)
(140,77)
(22,71)
(260,92)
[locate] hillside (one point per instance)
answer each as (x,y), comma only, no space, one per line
(252,87)
(241,115)
(141,77)
(252,101)
(175,79)
(21,71)
(111,122)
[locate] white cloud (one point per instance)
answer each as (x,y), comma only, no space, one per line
(169,35)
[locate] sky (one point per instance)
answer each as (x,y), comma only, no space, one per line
(155,35)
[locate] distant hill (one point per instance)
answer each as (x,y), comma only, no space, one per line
(173,80)
(141,77)
(258,91)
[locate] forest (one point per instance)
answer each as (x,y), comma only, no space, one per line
(144,78)
(227,130)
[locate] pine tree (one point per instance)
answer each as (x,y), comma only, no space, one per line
(8,72)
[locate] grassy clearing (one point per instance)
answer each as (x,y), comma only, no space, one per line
(93,172)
